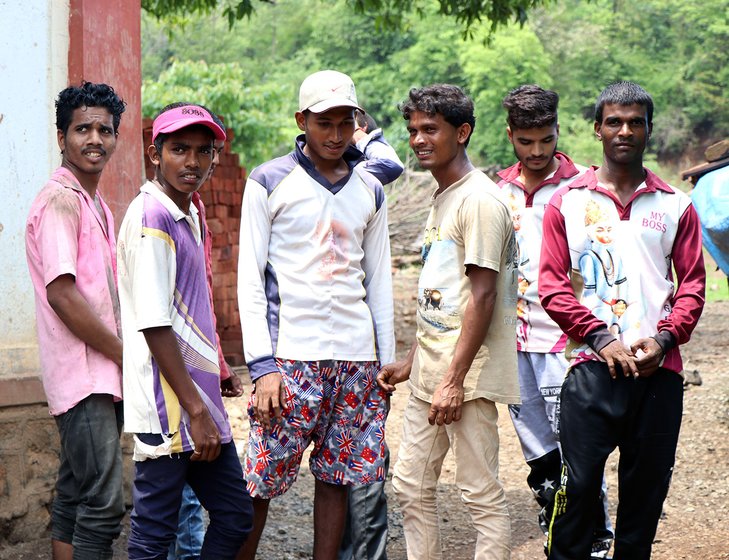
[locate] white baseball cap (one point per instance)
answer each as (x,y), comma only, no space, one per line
(325,90)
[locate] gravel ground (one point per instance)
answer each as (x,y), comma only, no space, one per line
(696,513)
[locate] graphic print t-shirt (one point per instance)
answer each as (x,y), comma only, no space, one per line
(469,224)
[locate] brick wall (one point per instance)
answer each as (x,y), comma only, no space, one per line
(222,196)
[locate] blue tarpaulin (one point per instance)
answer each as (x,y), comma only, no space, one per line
(711,200)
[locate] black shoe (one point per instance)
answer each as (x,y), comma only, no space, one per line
(600,549)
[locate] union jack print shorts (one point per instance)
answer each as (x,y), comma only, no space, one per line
(337,406)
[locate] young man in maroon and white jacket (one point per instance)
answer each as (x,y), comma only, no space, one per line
(541,170)
(612,240)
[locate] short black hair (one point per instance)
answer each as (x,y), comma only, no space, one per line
(624,93)
(215,118)
(530,106)
(364,120)
(446,99)
(87,95)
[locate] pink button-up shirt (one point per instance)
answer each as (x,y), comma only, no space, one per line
(65,234)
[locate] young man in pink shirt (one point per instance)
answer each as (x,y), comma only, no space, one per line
(71,252)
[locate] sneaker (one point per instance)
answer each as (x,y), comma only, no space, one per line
(543,521)
(600,549)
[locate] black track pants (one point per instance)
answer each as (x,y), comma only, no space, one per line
(641,417)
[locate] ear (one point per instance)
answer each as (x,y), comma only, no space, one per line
(509,134)
(61,140)
(300,120)
(153,155)
(597,130)
(557,130)
(463,132)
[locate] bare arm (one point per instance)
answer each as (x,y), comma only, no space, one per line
(166,351)
(397,372)
(448,396)
(77,315)
(231,386)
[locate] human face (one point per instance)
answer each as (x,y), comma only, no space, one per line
(88,144)
(434,141)
(624,132)
(534,147)
(218,146)
(604,233)
(184,164)
(328,134)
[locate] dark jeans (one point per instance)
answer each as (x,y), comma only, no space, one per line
(365,534)
(157,495)
(89,504)
(642,417)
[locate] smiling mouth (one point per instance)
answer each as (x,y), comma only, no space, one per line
(94,154)
(190,177)
(423,153)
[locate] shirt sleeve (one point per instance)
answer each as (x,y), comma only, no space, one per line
(378,282)
(555,286)
(381,159)
(485,226)
(688,262)
(255,234)
(153,269)
(57,234)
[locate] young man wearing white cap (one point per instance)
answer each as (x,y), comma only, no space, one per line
(315,297)
(173,402)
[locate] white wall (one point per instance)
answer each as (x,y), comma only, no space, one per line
(33,69)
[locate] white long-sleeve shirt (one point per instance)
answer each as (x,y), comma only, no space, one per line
(314,278)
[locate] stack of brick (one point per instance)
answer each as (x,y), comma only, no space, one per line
(222,196)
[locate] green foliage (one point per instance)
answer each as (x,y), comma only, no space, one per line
(388,14)
(255,111)
(676,49)
(469,14)
(185,9)
(514,57)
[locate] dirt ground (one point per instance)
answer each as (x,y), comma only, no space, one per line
(696,513)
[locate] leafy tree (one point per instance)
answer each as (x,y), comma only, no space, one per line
(387,13)
(515,57)
(671,47)
(674,48)
(255,111)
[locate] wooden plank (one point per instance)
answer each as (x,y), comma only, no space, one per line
(717,151)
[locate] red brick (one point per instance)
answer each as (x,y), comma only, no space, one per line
(231,346)
(224,267)
(219,241)
(235,360)
(215,225)
(233,330)
(207,198)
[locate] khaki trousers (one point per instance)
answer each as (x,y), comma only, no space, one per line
(474,440)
